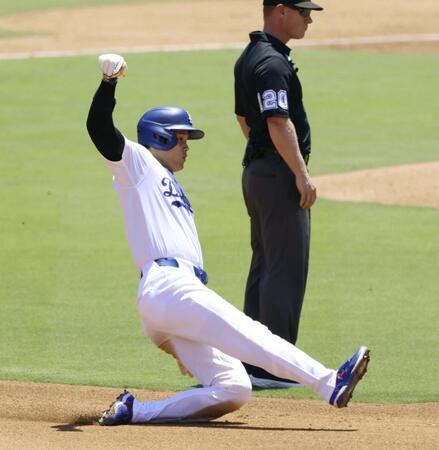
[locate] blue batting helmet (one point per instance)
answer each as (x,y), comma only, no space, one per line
(156,127)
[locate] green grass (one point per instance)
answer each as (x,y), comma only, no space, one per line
(369,110)
(8,34)
(68,283)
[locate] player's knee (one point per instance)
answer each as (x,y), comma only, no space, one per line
(238,394)
(244,394)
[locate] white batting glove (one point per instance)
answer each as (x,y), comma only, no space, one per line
(112,66)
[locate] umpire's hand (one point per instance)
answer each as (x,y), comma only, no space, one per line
(308,192)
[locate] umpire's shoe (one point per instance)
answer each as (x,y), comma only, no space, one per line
(348,375)
(120,411)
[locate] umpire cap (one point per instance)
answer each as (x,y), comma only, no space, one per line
(298,3)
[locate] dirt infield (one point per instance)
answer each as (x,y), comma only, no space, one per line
(42,416)
(210,21)
(54,416)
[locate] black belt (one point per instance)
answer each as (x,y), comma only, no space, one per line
(273,151)
(172,262)
(256,152)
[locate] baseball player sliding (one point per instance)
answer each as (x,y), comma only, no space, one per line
(207,335)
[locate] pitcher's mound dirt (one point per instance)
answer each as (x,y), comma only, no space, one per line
(408,185)
(44,416)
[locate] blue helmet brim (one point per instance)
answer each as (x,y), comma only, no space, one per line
(194,133)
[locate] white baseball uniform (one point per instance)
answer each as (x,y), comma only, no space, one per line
(208,335)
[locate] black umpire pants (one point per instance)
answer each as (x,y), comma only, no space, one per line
(280,239)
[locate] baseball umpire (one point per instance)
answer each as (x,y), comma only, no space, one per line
(278,191)
(207,335)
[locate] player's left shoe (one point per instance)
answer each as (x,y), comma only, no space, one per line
(348,375)
(120,411)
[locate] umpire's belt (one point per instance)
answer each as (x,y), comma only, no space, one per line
(256,152)
(172,262)
(267,151)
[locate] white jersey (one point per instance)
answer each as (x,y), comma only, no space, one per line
(159,219)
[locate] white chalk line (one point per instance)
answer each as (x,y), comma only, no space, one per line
(364,40)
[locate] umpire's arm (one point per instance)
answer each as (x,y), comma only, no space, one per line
(283,135)
(243,124)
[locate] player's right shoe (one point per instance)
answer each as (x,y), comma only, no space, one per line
(120,411)
(348,375)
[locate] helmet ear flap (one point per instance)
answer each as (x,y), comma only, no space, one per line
(152,134)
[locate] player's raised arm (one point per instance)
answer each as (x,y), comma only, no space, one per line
(105,136)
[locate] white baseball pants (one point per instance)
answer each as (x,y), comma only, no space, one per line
(211,337)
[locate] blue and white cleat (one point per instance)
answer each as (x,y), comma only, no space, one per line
(348,375)
(120,411)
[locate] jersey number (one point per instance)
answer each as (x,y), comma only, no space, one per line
(271,100)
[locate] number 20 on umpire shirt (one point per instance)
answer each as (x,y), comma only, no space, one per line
(266,84)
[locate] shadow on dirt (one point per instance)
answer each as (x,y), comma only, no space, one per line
(73,426)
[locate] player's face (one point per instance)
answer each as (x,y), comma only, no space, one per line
(175,158)
(296,23)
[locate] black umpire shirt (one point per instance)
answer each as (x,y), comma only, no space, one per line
(266,84)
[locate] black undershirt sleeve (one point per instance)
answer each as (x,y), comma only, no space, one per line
(105,136)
